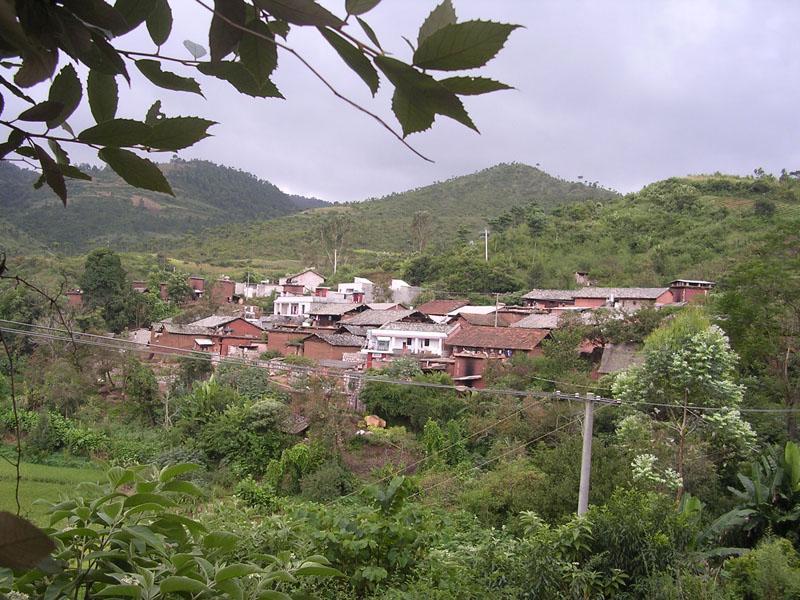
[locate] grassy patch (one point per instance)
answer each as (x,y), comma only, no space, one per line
(40,481)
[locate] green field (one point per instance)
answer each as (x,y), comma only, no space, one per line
(40,481)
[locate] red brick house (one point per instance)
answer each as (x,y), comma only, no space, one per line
(331,346)
(472,347)
(285,340)
(223,291)
(74,298)
(222,335)
(690,290)
(598,297)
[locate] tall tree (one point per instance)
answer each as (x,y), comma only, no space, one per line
(421,228)
(688,363)
(333,232)
(105,288)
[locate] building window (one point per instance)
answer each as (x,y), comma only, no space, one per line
(408,341)
(383,345)
(294,309)
(426,342)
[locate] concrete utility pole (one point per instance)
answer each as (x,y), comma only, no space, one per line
(486,245)
(586,455)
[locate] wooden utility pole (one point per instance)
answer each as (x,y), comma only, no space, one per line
(586,455)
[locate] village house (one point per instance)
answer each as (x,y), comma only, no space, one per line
(223,291)
(492,319)
(376,318)
(328,345)
(440,308)
(304,282)
(287,341)
(74,298)
(221,335)
(404,338)
(360,285)
(402,292)
(197,285)
(330,313)
(262,289)
(625,298)
(472,348)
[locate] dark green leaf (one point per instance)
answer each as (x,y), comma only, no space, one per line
(74,172)
(117,132)
(171,472)
(462,45)
(62,158)
(470,86)
(178,132)
(129,591)
(22,544)
(52,174)
(137,171)
(67,90)
(224,35)
(11,32)
(106,58)
(159,23)
(221,539)
(71,35)
(359,7)
(166,79)
(418,97)
(353,58)
(258,54)
(44,111)
(37,65)
(239,77)
(279,27)
(15,139)
(27,152)
(135,12)
(103,94)
(368,30)
(196,50)
(442,15)
(154,114)
(98,13)
(300,12)
(177,583)
(309,569)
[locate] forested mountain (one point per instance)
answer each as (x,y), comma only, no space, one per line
(468,203)
(107,211)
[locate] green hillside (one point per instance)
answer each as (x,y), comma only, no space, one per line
(107,211)
(384,224)
(693,227)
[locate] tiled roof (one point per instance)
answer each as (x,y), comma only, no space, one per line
(548,321)
(186,329)
(385,305)
(620,292)
(423,327)
(509,338)
(549,295)
(339,339)
(213,321)
(503,319)
(354,329)
(441,307)
(597,292)
(333,308)
(376,318)
(272,321)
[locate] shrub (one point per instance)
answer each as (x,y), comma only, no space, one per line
(255,494)
(772,570)
(329,481)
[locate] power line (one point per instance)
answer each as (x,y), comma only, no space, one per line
(181,353)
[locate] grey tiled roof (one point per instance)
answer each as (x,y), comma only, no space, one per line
(549,295)
(340,339)
(376,317)
(332,308)
(423,327)
(548,321)
(597,292)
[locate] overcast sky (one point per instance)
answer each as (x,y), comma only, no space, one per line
(622,92)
